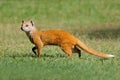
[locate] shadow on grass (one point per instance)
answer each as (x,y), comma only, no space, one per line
(104,33)
(33,56)
(112,32)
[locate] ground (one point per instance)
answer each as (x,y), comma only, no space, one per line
(95,22)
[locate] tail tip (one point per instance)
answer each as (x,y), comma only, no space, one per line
(111,56)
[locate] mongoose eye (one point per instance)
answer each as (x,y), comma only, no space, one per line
(27,25)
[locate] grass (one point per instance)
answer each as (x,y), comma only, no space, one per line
(95,22)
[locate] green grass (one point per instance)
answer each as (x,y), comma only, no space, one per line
(95,22)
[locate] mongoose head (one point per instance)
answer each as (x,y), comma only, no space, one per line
(27,26)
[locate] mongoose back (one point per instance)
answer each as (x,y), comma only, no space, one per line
(66,41)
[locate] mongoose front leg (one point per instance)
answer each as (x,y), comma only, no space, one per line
(38,43)
(39,49)
(33,49)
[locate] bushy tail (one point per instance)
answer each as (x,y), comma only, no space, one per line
(91,51)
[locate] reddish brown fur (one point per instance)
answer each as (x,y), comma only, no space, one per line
(66,41)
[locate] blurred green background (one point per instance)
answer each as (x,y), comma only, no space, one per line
(95,22)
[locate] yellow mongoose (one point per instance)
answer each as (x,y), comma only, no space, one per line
(66,41)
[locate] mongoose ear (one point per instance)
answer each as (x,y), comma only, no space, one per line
(22,21)
(32,22)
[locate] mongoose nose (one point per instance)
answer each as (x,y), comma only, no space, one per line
(21,28)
